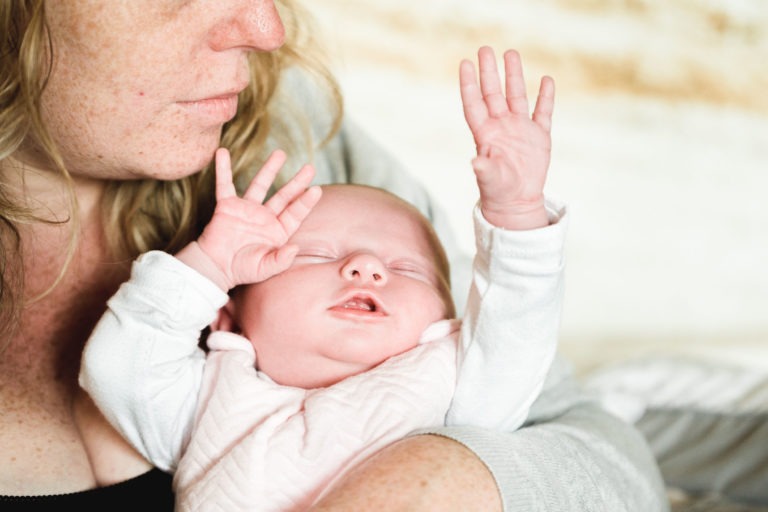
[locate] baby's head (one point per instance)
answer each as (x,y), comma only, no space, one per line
(369,277)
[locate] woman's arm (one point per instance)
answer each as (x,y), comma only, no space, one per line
(416,473)
(576,458)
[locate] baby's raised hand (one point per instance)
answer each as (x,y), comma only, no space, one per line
(247,240)
(513,148)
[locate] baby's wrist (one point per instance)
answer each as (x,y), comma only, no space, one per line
(197,259)
(518,217)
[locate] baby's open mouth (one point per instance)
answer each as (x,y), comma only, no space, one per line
(360,303)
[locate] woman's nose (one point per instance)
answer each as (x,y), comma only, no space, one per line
(249,24)
(365,268)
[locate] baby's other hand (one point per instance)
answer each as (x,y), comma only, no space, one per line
(513,147)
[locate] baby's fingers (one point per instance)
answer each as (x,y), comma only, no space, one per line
(276,261)
(475,109)
(292,216)
(545,104)
(259,186)
(224,186)
(517,99)
(291,190)
(490,85)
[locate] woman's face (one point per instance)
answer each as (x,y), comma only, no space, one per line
(141,88)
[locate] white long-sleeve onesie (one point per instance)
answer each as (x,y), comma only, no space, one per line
(238,441)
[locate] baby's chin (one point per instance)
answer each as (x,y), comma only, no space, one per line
(333,374)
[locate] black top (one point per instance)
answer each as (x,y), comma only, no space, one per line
(148,492)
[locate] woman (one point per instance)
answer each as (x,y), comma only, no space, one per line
(108,111)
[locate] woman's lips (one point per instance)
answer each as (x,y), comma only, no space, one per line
(219,109)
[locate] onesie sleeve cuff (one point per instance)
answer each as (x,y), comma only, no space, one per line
(533,250)
(177,288)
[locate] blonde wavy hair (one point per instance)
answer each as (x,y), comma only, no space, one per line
(145,214)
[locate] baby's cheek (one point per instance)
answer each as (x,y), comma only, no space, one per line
(437,307)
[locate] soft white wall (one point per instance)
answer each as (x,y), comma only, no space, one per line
(660,148)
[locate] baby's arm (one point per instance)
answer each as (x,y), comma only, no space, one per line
(509,332)
(142,365)
(246,241)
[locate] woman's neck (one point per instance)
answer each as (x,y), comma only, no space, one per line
(42,434)
(63,296)
(45,191)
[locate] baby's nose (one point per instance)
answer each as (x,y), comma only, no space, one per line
(365,268)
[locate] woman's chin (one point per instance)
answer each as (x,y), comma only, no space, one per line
(181,163)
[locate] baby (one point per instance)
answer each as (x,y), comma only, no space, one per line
(337,338)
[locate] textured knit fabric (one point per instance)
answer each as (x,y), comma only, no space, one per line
(705,418)
(263,447)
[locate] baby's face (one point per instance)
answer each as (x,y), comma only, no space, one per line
(364,286)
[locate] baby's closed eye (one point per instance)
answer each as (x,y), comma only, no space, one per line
(315,254)
(410,269)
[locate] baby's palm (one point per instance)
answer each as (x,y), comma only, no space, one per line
(246,238)
(513,148)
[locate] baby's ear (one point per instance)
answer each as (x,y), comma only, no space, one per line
(225,320)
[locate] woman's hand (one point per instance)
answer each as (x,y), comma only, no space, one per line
(513,148)
(247,240)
